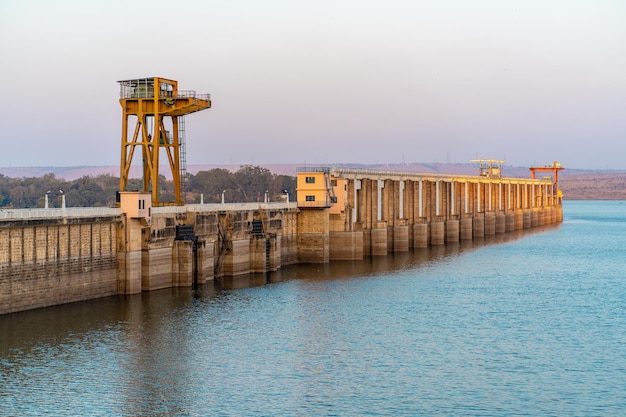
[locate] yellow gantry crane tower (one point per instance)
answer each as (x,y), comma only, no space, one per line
(158,108)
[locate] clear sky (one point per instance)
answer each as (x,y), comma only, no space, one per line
(322,81)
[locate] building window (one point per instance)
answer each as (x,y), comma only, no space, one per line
(310,198)
(333,199)
(310,180)
(333,183)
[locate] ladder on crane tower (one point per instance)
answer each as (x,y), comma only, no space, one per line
(182,143)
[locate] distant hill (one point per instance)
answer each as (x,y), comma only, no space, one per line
(74,172)
(590,186)
(576,184)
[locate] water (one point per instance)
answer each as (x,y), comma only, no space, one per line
(533,325)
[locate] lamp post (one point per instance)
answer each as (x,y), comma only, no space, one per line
(223,192)
(266,192)
(47,199)
(287,199)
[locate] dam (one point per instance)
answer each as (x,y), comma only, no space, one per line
(56,256)
(145,243)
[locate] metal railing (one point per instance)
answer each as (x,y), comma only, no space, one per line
(360,173)
(191,94)
(388,174)
(315,204)
(325,170)
(212,207)
(42,213)
(164,94)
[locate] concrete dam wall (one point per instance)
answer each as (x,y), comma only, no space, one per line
(50,257)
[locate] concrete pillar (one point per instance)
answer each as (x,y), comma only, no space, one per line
(466,229)
(509,222)
(420,198)
(478,227)
(401,200)
(527,218)
(259,258)
(452,231)
(206,262)
(437,233)
(420,235)
(452,202)
(500,223)
(357,187)
(508,197)
(549,215)
(401,238)
(437,198)
(490,225)
(379,206)
(379,242)
(129,256)
(346,246)
(182,263)
(156,268)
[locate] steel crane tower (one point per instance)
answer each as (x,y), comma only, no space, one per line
(157,107)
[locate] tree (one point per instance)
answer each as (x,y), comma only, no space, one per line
(249,183)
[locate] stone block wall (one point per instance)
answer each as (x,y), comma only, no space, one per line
(44,263)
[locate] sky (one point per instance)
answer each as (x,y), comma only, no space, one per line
(322,82)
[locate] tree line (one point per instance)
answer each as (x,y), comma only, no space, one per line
(248,184)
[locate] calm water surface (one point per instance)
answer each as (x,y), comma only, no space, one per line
(532,325)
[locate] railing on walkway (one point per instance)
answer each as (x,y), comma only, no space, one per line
(224,207)
(42,213)
(400,175)
(315,204)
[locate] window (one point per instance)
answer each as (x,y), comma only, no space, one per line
(310,180)
(310,198)
(333,199)
(333,183)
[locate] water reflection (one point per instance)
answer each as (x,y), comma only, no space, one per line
(371,265)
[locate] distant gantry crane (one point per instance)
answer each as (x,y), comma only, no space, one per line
(158,108)
(554,168)
(490,168)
